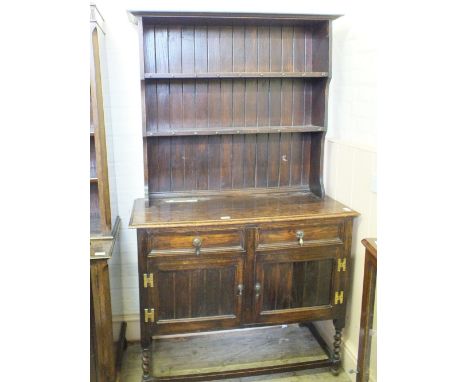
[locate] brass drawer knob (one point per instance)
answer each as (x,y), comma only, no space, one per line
(300,237)
(258,288)
(197,244)
(240,289)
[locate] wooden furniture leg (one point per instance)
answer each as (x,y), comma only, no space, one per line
(336,356)
(105,367)
(146,364)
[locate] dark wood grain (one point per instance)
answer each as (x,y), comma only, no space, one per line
(188,49)
(102,325)
(250,150)
(105,356)
(367,309)
(263,42)
(299,52)
(226,48)
(162,106)
(238,46)
(235,115)
(202,163)
(261,167)
(251,47)
(284,159)
(201,49)
(201,102)
(321,45)
(197,106)
(287,49)
(162,49)
(227,162)
(273,160)
(276,48)
(241,209)
(189,104)
(214,157)
(237,158)
(214,50)
(100,211)
(296,284)
(175,49)
(152,17)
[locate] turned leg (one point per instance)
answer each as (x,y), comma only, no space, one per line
(146,364)
(336,356)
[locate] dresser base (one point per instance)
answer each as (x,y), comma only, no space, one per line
(332,360)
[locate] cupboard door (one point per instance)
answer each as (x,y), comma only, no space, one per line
(196,294)
(296,285)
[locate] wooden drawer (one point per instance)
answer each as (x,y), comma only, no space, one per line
(185,241)
(312,234)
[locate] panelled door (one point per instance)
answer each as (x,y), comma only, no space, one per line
(198,293)
(298,284)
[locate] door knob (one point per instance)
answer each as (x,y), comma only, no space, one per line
(197,244)
(258,287)
(300,236)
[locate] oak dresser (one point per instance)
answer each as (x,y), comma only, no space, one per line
(235,229)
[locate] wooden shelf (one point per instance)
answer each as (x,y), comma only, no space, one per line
(236,130)
(236,75)
(93,180)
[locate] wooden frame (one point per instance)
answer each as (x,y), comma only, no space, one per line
(106,357)
(99,173)
(367,309)
(205,82)
(234,111)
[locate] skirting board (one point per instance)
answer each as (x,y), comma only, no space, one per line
(133,326)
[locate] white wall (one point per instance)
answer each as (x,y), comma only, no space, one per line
(350,163)
(351,156)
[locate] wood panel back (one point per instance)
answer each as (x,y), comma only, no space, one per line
(189,48)
(228,162)
(214,105)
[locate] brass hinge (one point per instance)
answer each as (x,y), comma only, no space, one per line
(149,315)
(341,265)
(147,280)
(339,297)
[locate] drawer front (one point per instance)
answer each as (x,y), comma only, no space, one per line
(301,235)
(188,242)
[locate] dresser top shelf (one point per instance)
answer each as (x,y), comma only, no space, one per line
(289,18)
(239,209)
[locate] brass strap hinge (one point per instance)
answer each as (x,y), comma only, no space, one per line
(149,315)
(148,280)
(339,297)
(341,265)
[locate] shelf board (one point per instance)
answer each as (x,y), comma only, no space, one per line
(236,130)
(149,76)
(93,180)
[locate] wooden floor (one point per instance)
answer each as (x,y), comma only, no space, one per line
(230,351)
